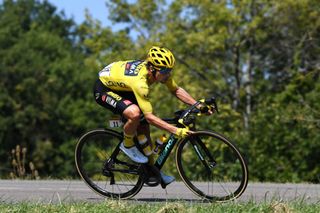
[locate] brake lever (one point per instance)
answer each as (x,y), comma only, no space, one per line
(184,115)
(215,106)
(212,102)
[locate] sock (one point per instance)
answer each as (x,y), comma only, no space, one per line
(144,145)
(128,140)
(151,159)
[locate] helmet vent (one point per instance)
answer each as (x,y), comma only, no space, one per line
(161,57)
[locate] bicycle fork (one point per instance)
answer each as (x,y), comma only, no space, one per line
(198,145)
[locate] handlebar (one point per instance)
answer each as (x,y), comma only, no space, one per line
(186,117)
(211,102)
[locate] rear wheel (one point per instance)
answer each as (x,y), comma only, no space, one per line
(211,166)
(107,170)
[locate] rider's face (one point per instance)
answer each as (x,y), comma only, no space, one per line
(162,77)
(162,74)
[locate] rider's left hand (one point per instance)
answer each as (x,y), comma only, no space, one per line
(210,112)
(183,132)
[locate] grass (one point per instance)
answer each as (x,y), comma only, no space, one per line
(161,207)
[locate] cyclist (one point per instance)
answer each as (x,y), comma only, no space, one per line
(123,88)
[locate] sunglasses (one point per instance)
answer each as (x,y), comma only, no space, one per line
(163,70)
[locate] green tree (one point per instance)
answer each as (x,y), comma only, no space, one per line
(261,58)
(43,84)
(247,52)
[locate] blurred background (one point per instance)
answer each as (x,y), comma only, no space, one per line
(260,58)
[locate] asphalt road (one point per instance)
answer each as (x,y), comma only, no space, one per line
(54,191)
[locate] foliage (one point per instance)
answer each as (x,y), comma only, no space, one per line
(260,58)
(177,206)
(43,83)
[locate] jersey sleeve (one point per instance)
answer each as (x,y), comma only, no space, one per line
(141,93)
(171,84)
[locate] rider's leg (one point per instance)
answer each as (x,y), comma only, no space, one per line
(132,114)
(144,129)
(115,102)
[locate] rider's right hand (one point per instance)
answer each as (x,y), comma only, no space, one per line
(208,110)
(182,132)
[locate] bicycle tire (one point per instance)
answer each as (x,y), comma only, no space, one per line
(221,174)
(92,153)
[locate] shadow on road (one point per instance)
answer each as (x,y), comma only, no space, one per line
(161,200)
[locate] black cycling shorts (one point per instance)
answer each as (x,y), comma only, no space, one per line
(116,101)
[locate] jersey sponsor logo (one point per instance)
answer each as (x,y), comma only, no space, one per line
(111,101)
(115,96)
(97,95)
(116,84)
(105,71)
(167,148)
(127,102)
(133,68)
(103,98)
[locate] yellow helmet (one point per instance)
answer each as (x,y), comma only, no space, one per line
(161,57)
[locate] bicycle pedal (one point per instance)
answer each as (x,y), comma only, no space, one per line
(151,175)
(152,181)
(163,185)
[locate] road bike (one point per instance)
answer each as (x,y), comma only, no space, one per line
(207,162)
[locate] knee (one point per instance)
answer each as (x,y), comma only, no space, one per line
(132,113)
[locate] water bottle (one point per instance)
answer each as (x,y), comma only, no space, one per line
(159,144)
(145,146)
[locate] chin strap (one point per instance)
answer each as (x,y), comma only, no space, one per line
(154,73)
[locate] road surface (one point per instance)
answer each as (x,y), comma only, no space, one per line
(55,191)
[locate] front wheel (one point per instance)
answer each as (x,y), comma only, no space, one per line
(211,166)
(107,170)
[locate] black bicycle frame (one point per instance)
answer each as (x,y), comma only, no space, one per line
(165,152)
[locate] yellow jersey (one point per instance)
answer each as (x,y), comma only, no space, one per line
(132,76)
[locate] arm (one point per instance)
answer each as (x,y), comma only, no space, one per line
(159,123)
(184,96)
(179,92)
(141,94)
